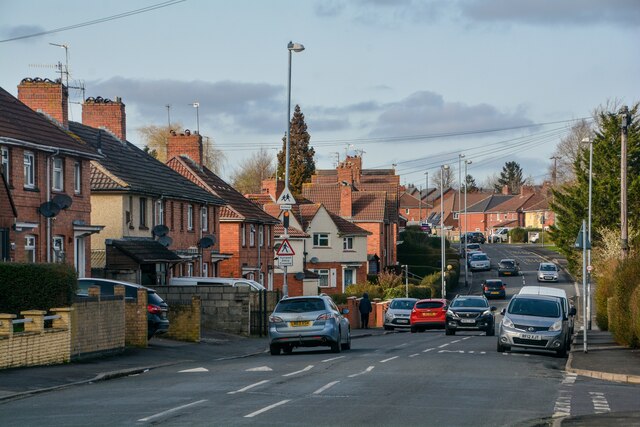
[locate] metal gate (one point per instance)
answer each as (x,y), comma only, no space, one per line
(262,305)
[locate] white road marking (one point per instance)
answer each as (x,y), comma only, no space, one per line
(369,369)
(562,407)
(443,345)
(414,355)
(298,372)
(569,378)
(267,408)
(194,370)
(248,387)
(453,342)
(391,358)
(466,338)
(325,387)
(333,358)
(260,369)
(452,351)
(600,404)
(401,345)
(169,411)
(428,350)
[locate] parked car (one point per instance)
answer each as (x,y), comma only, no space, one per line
(429,313)
(479,261)
(469,313)
(220,281)
(534,322)
(547,272)
(157,322)
(308,321)
(399,312)
(473,247)
(534,237)
(508,267)
(500,235)
(473,237)
(494,288)
(555,292)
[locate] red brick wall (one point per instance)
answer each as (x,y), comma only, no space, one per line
(186,144)
(46,96)
(295,286)
(375,240)
(474,221)
(231,243)
(99,112)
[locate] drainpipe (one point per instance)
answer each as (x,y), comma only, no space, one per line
(260,240)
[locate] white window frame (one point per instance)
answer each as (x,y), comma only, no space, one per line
(243,234)
(268,236)
(323,273)
(347,243)
(252,235)
(29,170)
(205,269)
(77,177)
(4,163)
(261,235)
(57,174)
(58,248)
(143,211)
(189,217)
(344,281)
(407,211)
(30,248)
(318,239)
(159,212)
(205,218)
(189,272)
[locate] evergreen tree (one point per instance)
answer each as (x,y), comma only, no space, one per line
(470,184)
(511,176)
(301,162)
(570,201)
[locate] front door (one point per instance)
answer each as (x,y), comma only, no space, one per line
(79,256)
(4,244)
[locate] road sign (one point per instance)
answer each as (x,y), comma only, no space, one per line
(285,261)
(285,249)
(286,198)
(589,268)
(285,207)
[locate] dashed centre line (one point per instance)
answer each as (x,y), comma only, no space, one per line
(332,359)
(267,408)
(369,369)
(325,387)
(298,372)
(169,411)
(443,345)
(428,350)
(249,387)
(391,358)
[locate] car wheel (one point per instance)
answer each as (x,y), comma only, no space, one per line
(448,331)
(414,329)
(336,347)
(503,348)
(388,328)
(274,349)
(562,352)
(287,349)
(347,345)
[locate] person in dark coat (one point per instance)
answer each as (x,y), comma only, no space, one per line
(365,309)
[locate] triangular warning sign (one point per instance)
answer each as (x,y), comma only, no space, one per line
(286,198)
(285,249)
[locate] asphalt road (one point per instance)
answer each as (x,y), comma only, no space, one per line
(425,379)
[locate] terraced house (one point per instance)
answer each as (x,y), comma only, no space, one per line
(157,224)
(45,209)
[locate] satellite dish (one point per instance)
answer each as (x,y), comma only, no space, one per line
(62,200)
(277,246)
(212,237)
(165,241)
(160,230)
(299,275)
(313,260)
(49,209)
(205,242)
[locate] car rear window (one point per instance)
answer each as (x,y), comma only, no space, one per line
(429,304)
(533,307)
(300,305)
(507,263)
(402,304)
(153,298)
(493,285)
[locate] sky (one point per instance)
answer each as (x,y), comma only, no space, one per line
(409,84)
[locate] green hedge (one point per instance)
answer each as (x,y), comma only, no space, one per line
(36,286)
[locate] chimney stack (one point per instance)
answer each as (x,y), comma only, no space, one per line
(46,96)
(346,204)
(185,144)
(101,112)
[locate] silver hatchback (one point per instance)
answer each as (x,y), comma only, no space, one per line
(308,321)
(534,322)
(398,314)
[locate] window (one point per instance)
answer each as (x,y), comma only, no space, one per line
(77,178)
(321,240)
(456,215)
(407,210)
(252,235)
(349,276)
(29,248)
(347,243)
(243,234)
(205,269)
(190,217)
(268,236)
(58,249)
(189,272)
(261,235)
(323,281)
(29,170)
(4,163)
(143,212)
(159,214)
(57,174)
(205,218)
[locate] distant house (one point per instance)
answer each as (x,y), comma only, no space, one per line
(44,192)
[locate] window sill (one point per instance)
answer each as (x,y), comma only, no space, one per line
(322,247)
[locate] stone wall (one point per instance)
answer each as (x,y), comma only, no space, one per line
(184,319)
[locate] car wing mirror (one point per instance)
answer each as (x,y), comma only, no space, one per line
(503,311)
(345,311)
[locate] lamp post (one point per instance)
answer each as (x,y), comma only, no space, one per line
(466,190)
(292,47)
(426,196)
(590,142)
(442,245)
(460,157)
(625,122)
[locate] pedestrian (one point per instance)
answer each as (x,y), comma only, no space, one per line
(365,309)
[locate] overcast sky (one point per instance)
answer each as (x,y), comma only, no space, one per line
(412,83)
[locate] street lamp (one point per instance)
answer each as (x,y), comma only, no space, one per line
(590,142)
(466,190)
(292,47)
(442,245)
(426,197)
(460,157)
(625,123)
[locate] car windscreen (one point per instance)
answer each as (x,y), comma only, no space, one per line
(300,305)
(547,267)
(534,307)
(399,304)
(429,304)
(469,302)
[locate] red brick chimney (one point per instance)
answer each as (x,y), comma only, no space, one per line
(527,190)
(104,113)
(185,144)
(505,190)
(46,96)
(350,170)
(273,188)
(346,204)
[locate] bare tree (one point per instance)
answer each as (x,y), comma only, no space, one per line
(449,178)
(247,178)
(567,151)
(491,181)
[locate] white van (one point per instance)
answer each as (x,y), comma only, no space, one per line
(501,235)
(213,281)
(554,292)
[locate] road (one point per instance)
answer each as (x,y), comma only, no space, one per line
(392,379)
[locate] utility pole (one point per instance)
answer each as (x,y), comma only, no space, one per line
(426,196)
(460,157)
(554,174)
(625,118)
(420,206)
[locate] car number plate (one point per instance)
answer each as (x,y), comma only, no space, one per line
(506,273)
(298,323)
(495,293)
(530,337)
(467,321)
(403,321)
(548,277)
(428,314)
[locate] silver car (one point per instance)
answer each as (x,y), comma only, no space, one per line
(308,321)
(547,272)
(398,314)
(534,322)
(479,261)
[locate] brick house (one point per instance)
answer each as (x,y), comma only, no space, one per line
(136,197)
(413,205)
(246,231)
(46,215)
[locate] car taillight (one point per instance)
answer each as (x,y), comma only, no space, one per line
(325,316)
(275,319)
(503,287)
(486,288)
(154,309)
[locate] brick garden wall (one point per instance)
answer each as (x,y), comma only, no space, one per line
(184,319)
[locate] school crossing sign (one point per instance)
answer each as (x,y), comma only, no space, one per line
(286,198)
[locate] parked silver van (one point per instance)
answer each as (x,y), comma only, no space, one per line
(554,292)
(213,281)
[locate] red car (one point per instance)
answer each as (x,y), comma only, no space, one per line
(428,313)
